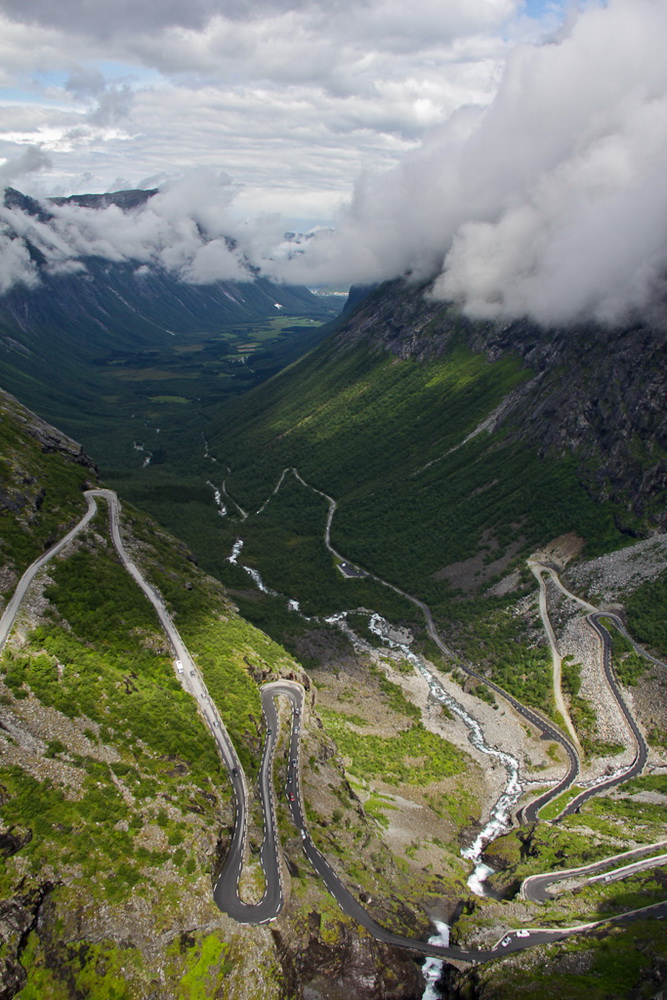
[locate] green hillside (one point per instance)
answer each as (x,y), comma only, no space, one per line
(386,437)
(115,810)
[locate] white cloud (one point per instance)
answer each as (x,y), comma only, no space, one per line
(314,89)
(519,161)
(551,202)
(184,229)
(16,267)
(30,160)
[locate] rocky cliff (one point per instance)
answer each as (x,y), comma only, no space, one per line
(595,392)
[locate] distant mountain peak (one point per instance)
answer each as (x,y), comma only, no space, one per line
(127,200)
(17,201)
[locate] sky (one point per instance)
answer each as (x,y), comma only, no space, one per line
(290,98)
(513,151)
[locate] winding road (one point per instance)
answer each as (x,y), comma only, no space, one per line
(226,892)
(536,887)
(641,753)
(556,659)
(547,729)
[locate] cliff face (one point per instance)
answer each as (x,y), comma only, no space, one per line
(597,393)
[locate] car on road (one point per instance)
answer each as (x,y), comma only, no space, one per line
(505,941)
(291,796)
(179,666)
(235,772)
(523,933)
(192,673)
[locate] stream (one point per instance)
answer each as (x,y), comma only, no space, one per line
(254,573)
(501,812)
(432,967)
(139,446)
(217,496)
(500,819)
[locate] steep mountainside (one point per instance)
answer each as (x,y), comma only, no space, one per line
(127,357)
(459,463)
(75,313)
(596,392)
(116,810)
(461,438)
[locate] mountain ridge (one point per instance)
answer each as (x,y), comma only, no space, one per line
(441,444)
(612,388)
(595,392)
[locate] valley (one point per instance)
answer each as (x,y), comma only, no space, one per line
(333,500)
(428,565)
(227,888)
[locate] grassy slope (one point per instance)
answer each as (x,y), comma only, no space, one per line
(114,359)
(123,794)
(363,426)
(359,425)
(113,798)
(40,492)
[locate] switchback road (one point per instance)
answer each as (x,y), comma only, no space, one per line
(548,729)
(226,891)
(641,753)
(536,887)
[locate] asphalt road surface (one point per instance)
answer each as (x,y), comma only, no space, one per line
(536,887)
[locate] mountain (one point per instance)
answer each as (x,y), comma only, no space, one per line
(467,461)
(126,200)
(77,308)
(125,354)
(422,421)
(70,325)
(453,450)
(484,485)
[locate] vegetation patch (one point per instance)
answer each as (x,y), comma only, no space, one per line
(646,614)
(207,965)
(628,664)
(556,806)
(414,756)
(583,715)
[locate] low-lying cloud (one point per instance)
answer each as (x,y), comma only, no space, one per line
(551,202)
(185,228)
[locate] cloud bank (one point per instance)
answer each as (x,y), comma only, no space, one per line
(186,229)
(548,199)
(551,202)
